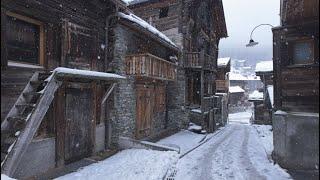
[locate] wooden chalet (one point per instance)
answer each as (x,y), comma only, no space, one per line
(61,97)
(196,27)
(296,85)
(263,105)
(222,91)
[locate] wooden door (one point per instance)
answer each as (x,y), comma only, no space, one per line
(78,116)
(145,104)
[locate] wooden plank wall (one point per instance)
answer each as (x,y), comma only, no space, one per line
(296,87)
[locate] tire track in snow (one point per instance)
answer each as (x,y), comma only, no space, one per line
(252,172)
(207,158)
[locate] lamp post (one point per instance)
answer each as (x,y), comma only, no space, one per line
(252,42)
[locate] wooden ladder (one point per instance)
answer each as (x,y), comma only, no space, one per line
(24,118)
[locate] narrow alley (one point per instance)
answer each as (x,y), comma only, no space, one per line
(235,153)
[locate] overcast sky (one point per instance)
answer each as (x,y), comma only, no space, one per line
(241,17)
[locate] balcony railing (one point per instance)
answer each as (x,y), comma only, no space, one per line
(150,66)
(200,60)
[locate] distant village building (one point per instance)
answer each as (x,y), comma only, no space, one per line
(222,91)
(296,86)
(196,27)
(263,105)
(237,99)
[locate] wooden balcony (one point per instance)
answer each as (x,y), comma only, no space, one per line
(150,66)
(200,60)
(222,85)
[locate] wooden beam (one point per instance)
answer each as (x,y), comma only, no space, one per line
(26,136)
(107,94)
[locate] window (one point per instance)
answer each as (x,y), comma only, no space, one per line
(302,52)
(164,12)
(25,39)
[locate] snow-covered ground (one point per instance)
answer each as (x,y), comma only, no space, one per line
(266,136)
(138,164)
(186,140)
(237,152)
(241,117)
(5,177)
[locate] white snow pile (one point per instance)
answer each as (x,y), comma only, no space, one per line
(5,177)
(236,89)
(133,18)
(264,66)
(256,95)
(128,164)
(270,92)
(184,139)
(194,127)
(224,61)
(266,137)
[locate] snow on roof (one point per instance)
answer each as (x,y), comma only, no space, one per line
(270,92)
(224,61)
(264,66)
(240,77)
(23,65)
(86,73)
(133,18)
(132,2)
(256,95)
(236,89)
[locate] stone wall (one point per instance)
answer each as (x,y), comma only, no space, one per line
(39,157)
(123,110)
(296,140)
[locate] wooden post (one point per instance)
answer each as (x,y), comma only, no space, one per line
(4,62)
(202,95)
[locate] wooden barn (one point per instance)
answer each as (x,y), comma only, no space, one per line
(196,27)
(263,105)
(77,75)
(296,85)
(222,91)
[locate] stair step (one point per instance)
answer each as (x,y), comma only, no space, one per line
(10,140)
(3,155)
(25,105)
(31,94)
(44,75)
(18,123)
(16,118)
(36,83)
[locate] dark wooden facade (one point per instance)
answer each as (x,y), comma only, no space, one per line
(296,57)
(196,27)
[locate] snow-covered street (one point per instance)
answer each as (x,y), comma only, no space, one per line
(237,152)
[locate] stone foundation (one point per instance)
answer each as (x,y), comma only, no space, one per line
(296,140)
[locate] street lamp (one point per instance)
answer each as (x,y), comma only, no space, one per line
(252,42)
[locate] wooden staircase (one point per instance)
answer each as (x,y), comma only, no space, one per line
(24,118)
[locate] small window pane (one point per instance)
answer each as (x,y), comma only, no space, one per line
(302,53)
